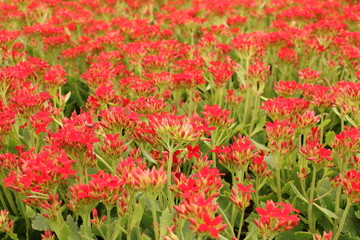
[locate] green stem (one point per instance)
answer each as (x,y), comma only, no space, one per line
(22,207)
(13,236)
(10,200)
(322,126)
(240,224)
(227,221)
(130,213)
(105,163)
(337,206)
(169,179)
(342,221)
(256,193)
(278,184)
(278,176)
(86,223)
(233,212)
(247,106)
(255,113)
(312,223)
(108,221)
(153,211)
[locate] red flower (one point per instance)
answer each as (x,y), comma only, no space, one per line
(325,236)
(241,197)
(275,218)
(217,116)
(212,225)
(193,151)
(350,184)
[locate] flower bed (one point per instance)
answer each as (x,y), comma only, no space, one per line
(174,120)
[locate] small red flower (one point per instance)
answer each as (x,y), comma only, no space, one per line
(275,218)
(193,151)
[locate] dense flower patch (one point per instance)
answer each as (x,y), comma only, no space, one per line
(171,119)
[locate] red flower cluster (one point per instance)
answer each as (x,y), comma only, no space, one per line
(275,218)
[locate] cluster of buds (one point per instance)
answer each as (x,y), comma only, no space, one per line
(200,212)
(217,117)
(118,120)
(151,182)
(309,75)
(125,168)
(112,148)
(7,116)
(258,73)
(280,135)
(39,172)
(315,152)
(347,143)
(48,235)
(303,174)
(147,105)
(241,196)
(162,158)
(288,55)
(306,120)
(51,208)
(6,225)
(80,199)
(222,72)
(172,128)
(237,155)
(276,218)
(233,99)
(283,108)
(325,236)
(207,181)
(347,97)
(286,89)
(350,184)
(77,138)
(259,167)
(105,187)
(96,221)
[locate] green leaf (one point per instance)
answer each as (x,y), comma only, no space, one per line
(295,233)
(138,212)
(29,212)
(260,146)
(148,157)
(329,137)
(259,126)
(73,227)
(348,236)
(145,237)
(252,233)
(357,214)
(270,160)
(165,219)
(40,223)
(336,111)
(297,193)
(325,123)
(303,235)
(67,97)
(326,211)
(65,233)
(352,223)
(226,189)
(287,186)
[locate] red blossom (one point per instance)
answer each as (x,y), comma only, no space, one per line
(275,218)
(193,151)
